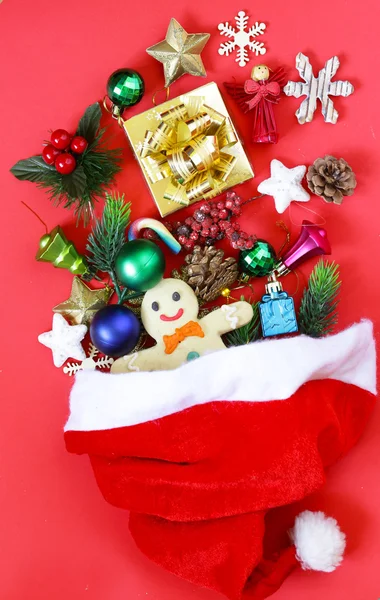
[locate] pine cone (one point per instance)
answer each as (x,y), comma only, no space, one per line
(208,272)
(331,178)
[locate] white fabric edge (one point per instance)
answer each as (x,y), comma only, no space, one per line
(262,371)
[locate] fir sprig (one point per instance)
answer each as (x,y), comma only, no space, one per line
(95,170)
(248,333)
(318,310)
(107,239)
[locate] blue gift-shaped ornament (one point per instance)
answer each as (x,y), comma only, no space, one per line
(277,313)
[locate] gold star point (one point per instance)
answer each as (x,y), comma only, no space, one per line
(83,303)
(180,53)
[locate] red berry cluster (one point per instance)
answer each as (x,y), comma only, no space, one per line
(211,222)
(58,152)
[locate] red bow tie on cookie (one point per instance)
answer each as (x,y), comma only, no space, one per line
(261,90)
(190,329)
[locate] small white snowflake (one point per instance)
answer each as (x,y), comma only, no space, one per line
(154,116)
(242,38)
(89,363)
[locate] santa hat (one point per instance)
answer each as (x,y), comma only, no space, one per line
(204,455)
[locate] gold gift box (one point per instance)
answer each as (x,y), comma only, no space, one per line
(188,149)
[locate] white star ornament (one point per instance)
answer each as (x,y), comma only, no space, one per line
(284,185)
(64,340)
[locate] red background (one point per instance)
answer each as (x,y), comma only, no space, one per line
(59,539)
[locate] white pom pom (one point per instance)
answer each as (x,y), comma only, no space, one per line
(319,542)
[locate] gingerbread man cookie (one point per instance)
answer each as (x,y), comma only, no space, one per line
(169,313)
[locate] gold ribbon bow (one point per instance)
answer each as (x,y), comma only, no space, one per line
(187,150)
(190,329)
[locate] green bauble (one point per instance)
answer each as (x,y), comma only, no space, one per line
(140,265)
(259,260)
(125,87)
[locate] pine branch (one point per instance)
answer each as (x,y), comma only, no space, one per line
(248,333)
(108,234)
(318,310)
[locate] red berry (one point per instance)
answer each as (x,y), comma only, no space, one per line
(249,244)
(214,230)
(229,204)
(49,154)
(214,213)
(220,205)
(205,207)
(240,243)
(60,139)
(223,214)
(149,234)
(205,232)
(238,201)
(78,144)
(243,235)
(65,163)
(207,222)
(236,226)
(223,225)
(236,211)
(189,245)
(183,240)
(189,221)
(194,236)
(199,216)
(196,226)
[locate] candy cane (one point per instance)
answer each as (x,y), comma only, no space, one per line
(159,228)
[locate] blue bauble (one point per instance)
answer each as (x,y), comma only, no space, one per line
(115,330)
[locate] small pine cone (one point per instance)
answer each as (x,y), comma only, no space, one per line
(208,272)
(331,178)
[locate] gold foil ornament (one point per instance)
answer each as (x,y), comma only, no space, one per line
(83,303)
(188,149)
(180,53)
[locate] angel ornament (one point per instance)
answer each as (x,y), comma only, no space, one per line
(258,95)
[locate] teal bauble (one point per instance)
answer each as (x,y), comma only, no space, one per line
(259,260)
(140,265)
(125,87)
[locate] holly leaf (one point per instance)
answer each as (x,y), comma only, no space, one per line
(32,169)
(75,184)
(89,123)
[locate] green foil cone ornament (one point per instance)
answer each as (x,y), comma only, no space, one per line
(56,249)
(259,260)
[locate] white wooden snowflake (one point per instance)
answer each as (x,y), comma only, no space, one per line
(90,363)
(242,38)
(317,88)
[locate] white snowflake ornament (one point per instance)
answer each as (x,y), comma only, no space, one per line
(64,340)
(242,38)
(317,88)
(284,185)
(90,363)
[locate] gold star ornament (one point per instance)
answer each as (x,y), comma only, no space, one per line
(180,52)
(83,303)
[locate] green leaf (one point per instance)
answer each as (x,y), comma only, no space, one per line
(89,123)
(32,169)
(74,185)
